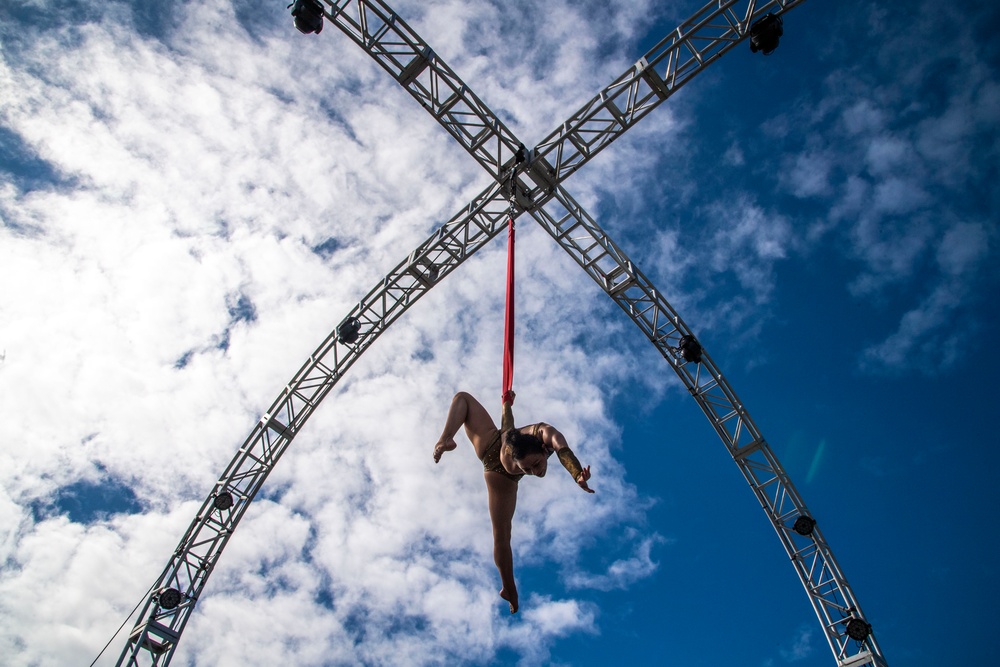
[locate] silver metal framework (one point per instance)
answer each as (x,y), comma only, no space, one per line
(675,60)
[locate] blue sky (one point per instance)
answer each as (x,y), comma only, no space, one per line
(192,196)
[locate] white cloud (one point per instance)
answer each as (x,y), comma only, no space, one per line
(799,648)
(926,338)
(863,117)
(898,196)
(887,155)
(624,572)
(809,174)
(548,617)
(897,152)
(963,247)
(197,172)
(734,155)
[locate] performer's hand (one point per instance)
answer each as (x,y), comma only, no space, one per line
(582,478)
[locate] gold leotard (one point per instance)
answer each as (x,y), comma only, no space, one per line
(491,459)
(491,456)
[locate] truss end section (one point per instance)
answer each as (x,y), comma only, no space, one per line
(308,15)
(533,191)
(765,33)
(542,173)
(540,182)
(154,637)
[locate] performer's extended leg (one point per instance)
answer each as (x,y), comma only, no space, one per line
(465,411)
(503,499)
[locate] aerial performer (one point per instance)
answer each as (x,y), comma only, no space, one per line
(508,454)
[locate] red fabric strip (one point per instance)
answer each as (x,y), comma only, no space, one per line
(508,329)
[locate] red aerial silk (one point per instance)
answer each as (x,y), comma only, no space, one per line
(508,329)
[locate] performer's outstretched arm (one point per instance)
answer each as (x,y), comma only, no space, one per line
(557,441)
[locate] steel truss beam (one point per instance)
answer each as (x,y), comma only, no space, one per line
(829,592)
(685,52)
(158,628)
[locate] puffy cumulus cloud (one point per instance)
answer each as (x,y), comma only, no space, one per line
(548,617)
(893,250)
(747,243)
(219,193)
(64,584)
(963,247)
(889,155)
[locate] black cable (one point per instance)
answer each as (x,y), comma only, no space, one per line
(144,597)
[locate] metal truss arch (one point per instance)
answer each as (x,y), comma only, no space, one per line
(830,595)
(167,610)
(675,60)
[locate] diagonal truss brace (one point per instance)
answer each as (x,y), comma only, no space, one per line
(377,29)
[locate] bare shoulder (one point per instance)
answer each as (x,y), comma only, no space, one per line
(550,436)
(534,429)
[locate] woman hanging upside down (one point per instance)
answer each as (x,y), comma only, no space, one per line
(508,454)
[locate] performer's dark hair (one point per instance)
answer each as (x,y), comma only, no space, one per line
(522,444)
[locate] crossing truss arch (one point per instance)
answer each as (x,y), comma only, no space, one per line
(537,191)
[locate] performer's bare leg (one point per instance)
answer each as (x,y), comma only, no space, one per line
(503,499)
(481,430)
(479,426)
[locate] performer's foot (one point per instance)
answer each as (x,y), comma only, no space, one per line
(443,446)
(511,598)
